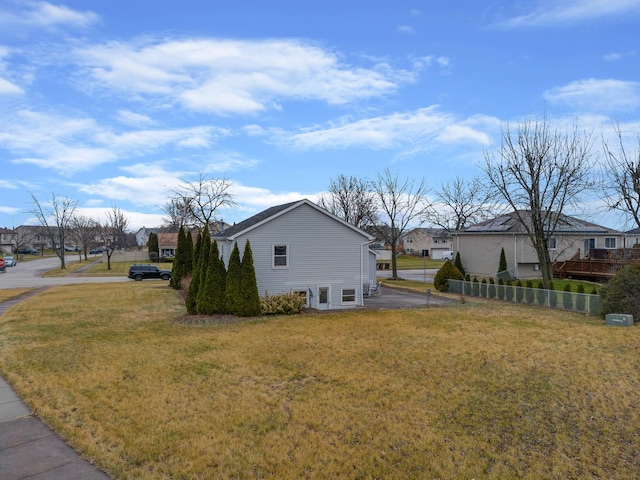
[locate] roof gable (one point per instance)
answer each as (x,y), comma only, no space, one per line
(269,214)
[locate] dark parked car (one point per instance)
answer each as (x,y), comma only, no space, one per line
(98,250)
(139,272)
(27,251)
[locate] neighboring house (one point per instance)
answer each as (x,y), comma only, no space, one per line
(34,236)
(7,240)
(632,238)
(301,247)
(142,235)
(479,245)
(427,242)
(167,244)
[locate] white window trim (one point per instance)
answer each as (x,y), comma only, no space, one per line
(555,243)
(355,296)
(615,242)
(273,256)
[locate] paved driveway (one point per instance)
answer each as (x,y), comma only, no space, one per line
(395,298)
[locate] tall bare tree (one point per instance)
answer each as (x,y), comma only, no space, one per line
(460,203)
(539,171)
(350,199)
(200,199)
(400,203)
(114,232)
(622,177)
(55,218)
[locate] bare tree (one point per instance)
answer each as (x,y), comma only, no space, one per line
(622,177)
(84,231)
(351,200)
(199,200)
(55,219)
(114,232)
(460,203)
(177,210)
(540,171)
(400,202)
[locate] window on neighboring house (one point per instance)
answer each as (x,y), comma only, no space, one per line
(409,240)
(348,295)
(409,250)
(280,256)
(553,243)
(425,253)
(435,240)
(610,242)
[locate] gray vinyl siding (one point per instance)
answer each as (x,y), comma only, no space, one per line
(480,253)
(320,252)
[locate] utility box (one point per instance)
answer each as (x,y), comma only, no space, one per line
(619,319)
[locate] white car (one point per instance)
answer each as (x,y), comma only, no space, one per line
(9,260)
(448,255)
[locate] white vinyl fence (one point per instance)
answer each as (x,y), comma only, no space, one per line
(577,302)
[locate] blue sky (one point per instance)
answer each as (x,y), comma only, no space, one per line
(112,103)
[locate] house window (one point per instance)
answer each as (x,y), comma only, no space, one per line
(435,240)
(553,243)
(281,256)
(348,295)
(409,250)
(610,242)
(409,240)
(303,294)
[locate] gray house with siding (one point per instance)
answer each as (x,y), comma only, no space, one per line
(301,247)
(479,245)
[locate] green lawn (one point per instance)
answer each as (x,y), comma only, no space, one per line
(477,390)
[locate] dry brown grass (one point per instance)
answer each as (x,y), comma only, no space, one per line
(8,294)
(480,390)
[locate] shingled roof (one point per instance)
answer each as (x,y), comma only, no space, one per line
(510,223)
(273,212)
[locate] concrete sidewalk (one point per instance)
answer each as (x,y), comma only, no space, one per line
(28,447)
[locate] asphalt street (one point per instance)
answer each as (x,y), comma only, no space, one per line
(29,274)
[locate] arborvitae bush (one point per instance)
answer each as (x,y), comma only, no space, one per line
(622,293)
(476,286)
(458,263)
(250,297)
(467,284)
(501,289)
(529,292)
(178,270)
(153,247)
(567,297)
(594,291)
(541,293)
(282,304)
(447,272)
(502,264)
(519,292)
(188,255)
(203,269)
(205,295)
(219,280)
(508,291)
(191,301)
(483,288)
(492,288)
(580,298)
(553,298)
(234,282)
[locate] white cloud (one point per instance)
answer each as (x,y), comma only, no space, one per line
(133,119)
(405,29)
(70,145)
(414,130)
(559,12)
(597,95)
(232,76)
(45,15)
(8,88)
